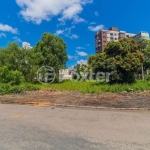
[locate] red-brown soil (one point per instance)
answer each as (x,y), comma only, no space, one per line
(50,98)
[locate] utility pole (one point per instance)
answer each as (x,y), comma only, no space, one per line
(142,42)
(142,72)
(142,69)
(143,45)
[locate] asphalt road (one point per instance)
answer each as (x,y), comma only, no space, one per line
(44,128)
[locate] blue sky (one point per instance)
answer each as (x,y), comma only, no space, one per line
(76,21)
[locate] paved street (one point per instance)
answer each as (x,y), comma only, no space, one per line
(44,128)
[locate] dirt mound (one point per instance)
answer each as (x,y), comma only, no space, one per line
(50,97)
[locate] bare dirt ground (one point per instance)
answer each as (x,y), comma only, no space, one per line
(49,97)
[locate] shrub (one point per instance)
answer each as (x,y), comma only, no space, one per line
(12,77)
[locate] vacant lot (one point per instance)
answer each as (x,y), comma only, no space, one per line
(51,97)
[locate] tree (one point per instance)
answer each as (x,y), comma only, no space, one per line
(144,46)
(30,64)
(123,58)
(100,64)
(53,50)
(12,77)
(49,51)
(11,56)
(18,59)
(146,63)
(80,71)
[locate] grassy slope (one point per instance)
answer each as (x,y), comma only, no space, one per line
(83,87)
(95,87)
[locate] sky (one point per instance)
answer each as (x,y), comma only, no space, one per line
(76,21)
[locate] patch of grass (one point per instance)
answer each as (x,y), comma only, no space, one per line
(16,89)
(96,87)
(83,87)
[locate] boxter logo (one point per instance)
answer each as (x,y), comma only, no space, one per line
(46,75)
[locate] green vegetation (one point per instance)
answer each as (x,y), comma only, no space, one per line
(53,52)
(49,51)
(7,88)
(83,87)
(125,59)
(96,87)
(80,70)
(12,77)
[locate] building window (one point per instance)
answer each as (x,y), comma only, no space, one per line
(122,35)
(116,39)
(69,72)
(111,33)
(104,37)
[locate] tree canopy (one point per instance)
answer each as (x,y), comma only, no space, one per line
(49,51)
(53,51)
(123,58)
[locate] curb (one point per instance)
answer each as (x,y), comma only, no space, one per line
(74,106)
(102,108)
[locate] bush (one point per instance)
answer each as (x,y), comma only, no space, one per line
(4,89)
(12,77)
(7,88)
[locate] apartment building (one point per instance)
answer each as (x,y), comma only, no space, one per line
(66,74)
(112,34)
(142,34)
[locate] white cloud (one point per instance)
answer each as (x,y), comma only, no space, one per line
(87,44)
(79,47)
(77,19)
(39,10)
(86,1)
(96,28)
(72,66)
(96,13)
(80,53)
(58,32)
(73,36)
(73,57)
(7,28)
(69,29)
(82,61)
(67,32)
(2,35)
(92,23)
(72,11)
(16,39)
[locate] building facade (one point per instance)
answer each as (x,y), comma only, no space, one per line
(142,34)
(65,74)
(105,36)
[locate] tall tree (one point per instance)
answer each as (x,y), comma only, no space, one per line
(12,56)
(122,57)
(144,46)
(146,51)
(53,51)
(49,51)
